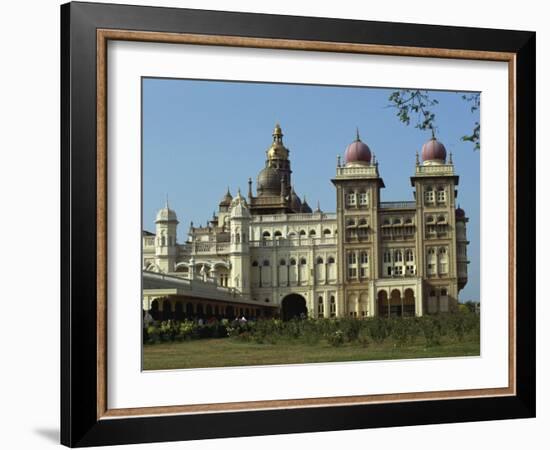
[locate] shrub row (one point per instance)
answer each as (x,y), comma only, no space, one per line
(173,330)
(401,331)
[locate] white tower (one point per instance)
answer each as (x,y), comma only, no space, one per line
(165,240)
(240,253)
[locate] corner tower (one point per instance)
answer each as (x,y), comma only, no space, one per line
(165,241)
(434,185)
(358,185)
(239,254)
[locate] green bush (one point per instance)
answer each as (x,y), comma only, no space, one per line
(400,331)
(336,339)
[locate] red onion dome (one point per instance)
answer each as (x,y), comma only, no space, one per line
(433,150)
(357,152)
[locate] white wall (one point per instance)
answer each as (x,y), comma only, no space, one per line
(29,111)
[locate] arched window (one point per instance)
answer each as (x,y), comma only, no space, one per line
(440,194)
(330,260)
(266,263)
(429,195)
(282,262)
(364,258)
(302,232)
(291,234)
(440,219)
(363,222)
(398,256)
(332,306)
(312,232)
(320,307)
(443,292)
(319,260)
(363,198)
(350,222)
(351,198)
(292,262)
(255,264)
(430,219)
(387,256)
(397,221)
(386,222)
(303,261)
(442,251)
(409,256)
(278,234)
(266,235)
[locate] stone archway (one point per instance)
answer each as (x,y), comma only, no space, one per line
(383,307)
(293,306)
(396,304)
(409,304)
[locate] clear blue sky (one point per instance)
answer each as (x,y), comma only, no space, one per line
(199,137)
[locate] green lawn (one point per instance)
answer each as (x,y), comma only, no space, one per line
(233,352)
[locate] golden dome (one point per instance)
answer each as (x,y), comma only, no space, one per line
(277,149)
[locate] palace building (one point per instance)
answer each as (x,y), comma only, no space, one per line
(270,254)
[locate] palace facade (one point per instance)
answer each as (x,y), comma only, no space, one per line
(271,254)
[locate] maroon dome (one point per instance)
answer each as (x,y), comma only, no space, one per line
(357,151)
(459,213)
(433,150)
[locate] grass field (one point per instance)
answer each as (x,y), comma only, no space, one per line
(233,352)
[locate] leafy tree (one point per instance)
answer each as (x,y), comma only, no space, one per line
(418,106)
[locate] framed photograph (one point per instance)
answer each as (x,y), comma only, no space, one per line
(277,224)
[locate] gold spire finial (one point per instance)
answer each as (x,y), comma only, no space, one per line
(357,138)
(433,133)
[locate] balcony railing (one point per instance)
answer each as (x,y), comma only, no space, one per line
(398,205)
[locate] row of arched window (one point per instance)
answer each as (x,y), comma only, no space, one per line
(355,198)
(437,260)
(294,262)
(292,234)
(439,219)
(321,306)
(397,221)
(433,194)
(351,222)
(397,256)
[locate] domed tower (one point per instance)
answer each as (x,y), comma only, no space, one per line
(435,190)
(358,185)
(166,224)
(357,153)
(433,152)
(223,211)
(239,251)
(273,184)
(277,167)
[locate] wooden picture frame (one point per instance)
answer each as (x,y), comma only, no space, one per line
(85,416)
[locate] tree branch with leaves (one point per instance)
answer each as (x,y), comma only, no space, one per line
(413,105)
